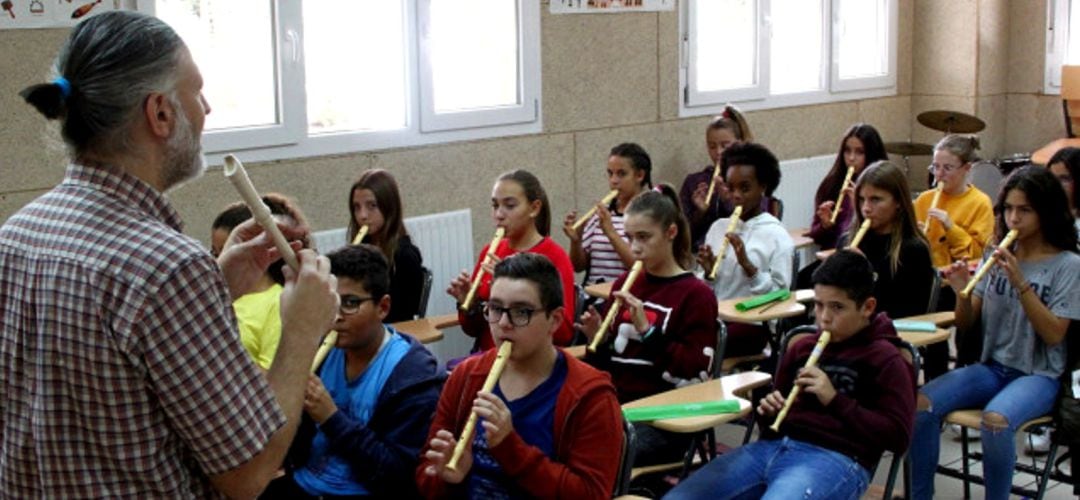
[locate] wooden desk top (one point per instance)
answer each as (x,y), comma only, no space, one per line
(422,329)
(919,339)
(599,290)
(728,387)
(824,254)
(1043,154)
(443,321)
(577,351)
(797,235)
(783,309)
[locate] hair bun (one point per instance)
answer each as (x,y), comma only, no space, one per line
(47,98)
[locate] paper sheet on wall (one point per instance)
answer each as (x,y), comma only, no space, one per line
(18,14)
(595,6)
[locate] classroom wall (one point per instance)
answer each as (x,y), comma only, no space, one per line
(607,78)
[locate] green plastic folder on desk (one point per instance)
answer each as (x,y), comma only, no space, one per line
(678,410)
(761,300)
(914,326)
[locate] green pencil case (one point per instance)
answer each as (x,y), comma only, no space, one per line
(761,300)
(658,412)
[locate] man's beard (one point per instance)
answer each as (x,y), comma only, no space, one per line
(184,160)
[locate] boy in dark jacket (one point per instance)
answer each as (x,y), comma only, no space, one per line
(367,411)
(857,402)
(551,427)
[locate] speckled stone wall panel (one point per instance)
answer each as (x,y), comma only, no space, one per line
(891,116)
(905,42)
(319,186)
(993,32)
(13,201)
(461,175)
(945,52)
(668,60)
(804,131)
(1034,121)
(1027,42)
(599,70)
(991,109)
(33,153)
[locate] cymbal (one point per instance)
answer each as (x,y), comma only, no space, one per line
(909,148)
(953,122)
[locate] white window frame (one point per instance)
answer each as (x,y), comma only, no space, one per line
(1057,42)
(696,103)
(290,138)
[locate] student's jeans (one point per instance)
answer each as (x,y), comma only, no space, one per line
(995,388)
(776,469)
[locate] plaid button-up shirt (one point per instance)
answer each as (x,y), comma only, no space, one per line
(121,370)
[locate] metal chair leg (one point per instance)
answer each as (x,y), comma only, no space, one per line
(964,463)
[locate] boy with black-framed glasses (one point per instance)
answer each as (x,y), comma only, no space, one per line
(552,426)
(366,412)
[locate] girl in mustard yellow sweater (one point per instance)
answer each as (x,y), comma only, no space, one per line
(963,221)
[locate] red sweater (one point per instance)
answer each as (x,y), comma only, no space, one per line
(679,348)
(475,325)
(874,407)
(588,435)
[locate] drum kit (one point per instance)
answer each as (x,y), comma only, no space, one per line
(951,122)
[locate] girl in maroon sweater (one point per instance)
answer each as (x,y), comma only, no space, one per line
(520,205)
(665,336)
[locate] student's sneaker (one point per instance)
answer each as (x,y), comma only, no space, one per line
(954,430)
(1038,442)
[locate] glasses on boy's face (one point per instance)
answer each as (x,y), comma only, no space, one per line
(519,316)
(350,304)
(944,167)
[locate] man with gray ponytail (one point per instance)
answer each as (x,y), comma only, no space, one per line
(121,370)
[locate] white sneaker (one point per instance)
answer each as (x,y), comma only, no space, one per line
(1038,442)
(954,430)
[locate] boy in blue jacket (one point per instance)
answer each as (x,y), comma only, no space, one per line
(368,410)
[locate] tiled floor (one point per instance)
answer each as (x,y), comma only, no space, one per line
(946,488)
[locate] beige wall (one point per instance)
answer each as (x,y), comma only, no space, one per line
(594,99)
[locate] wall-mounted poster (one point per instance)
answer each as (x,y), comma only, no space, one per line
(593,6)
(52,13)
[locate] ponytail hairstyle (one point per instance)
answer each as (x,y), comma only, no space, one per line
(731,119)
(1047,197)
(638,158)
(662,206)
(388,199)
(874,150)
(104,72)
(533,191)
(890,178)
(960,146)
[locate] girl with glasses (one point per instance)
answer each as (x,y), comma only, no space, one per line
(963,220)
(958,229)
(519,205)
(665,336)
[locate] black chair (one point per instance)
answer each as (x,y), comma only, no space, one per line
(626,463)
(425,292)
(911,355)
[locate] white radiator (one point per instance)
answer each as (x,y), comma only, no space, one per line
(446,243)
(798,182)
